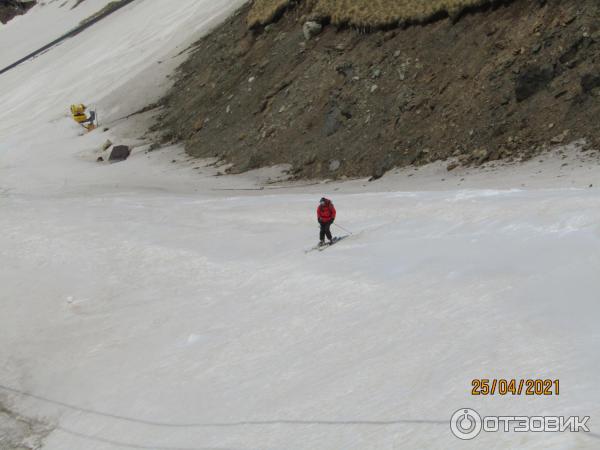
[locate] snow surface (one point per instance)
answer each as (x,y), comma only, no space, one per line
(44,23)
(143,305)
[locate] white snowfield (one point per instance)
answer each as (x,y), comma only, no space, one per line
(142,306)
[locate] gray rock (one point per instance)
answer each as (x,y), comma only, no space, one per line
(119,153)
(333,121)
(334,165)
(312,29)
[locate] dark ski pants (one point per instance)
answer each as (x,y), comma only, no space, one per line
(325,231)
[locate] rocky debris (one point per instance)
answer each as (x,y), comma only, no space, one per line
(473,90)
(119,153)
(453,165)
(560,138)
(100,159)
(311,29)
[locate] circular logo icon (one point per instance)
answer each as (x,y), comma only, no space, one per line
(466,424)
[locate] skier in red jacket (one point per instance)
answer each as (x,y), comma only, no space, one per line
(326,215)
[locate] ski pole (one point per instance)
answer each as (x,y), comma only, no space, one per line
(342,228)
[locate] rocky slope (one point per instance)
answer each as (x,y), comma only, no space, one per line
(498,83)
(11,8)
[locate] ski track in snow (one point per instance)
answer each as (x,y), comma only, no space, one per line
(143,306)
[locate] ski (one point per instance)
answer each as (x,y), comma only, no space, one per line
(325,246)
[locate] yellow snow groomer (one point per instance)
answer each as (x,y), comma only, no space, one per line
(79,116)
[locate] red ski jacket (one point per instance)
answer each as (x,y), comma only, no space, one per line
(326,213)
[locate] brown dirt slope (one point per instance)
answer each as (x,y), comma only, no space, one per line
(503,82)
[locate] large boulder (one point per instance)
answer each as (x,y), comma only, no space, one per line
(312,29)
(119,153)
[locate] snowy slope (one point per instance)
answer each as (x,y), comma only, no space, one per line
(45,22)
(142,307)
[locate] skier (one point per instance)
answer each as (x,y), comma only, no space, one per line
(326,215)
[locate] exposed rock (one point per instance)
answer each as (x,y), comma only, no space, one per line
(334,165)
(311,29)
(333,121)
(452,166)
(423,98)
(12,8)
(532,80)
(119,153)
(100,159)
(589,82)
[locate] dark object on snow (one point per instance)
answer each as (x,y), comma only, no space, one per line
(100,159)
(119,153)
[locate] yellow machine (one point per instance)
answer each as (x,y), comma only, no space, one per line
(78,112)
